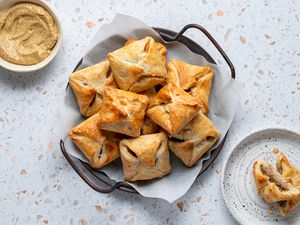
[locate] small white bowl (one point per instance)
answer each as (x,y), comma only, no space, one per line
(6,4)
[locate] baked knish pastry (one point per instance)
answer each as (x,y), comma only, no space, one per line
(138,66)
(99,147)
(271,186)
(149,126)
(289,172)
(145,157)
(172,108)
(194,140)
(160,47)
(196,80)
(88,84)
(292,175)
(122,111)
(150,93)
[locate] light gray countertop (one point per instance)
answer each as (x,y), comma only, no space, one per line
(37,186)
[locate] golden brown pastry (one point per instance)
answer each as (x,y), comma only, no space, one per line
(150,93)
(122,111)
(292,175)
(160,47)
(138,66)
(145,157)
(196,80)
(173,108)
(100,147)
(149,126)
(194,140)
(88,84)
(271,186)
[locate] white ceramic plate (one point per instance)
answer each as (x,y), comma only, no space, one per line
(238,185)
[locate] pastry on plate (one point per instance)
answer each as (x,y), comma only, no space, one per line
(160,47)
(88,84)
(99,147)
(122,111)
(138,66)
(145,157)
(271,186)
(196,80)
(172,108)
(194,140)
(292,175)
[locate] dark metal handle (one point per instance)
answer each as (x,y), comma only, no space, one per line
(170,38)
(104,179)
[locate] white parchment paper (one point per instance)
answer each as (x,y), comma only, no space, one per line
(223,103)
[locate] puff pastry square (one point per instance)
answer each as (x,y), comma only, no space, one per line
(292,175)
(160,47)
(138,66)
(99,147)
(196,80)
(145,157)
(194,140)
(122,111)
(271,186)
(88,85)
(172,108)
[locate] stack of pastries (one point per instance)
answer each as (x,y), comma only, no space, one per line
(281,186)
(138,106)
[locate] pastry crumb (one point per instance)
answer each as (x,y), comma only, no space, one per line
(180,205)
(275,150)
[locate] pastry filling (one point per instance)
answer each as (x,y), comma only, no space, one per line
(131,152)
(210,138)
(282,204)
(93,100)
(109,71)
(174,139)
(100,153)
(274,177)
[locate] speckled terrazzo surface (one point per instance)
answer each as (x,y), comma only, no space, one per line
(39,187)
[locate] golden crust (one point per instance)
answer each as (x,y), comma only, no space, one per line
(88,85)
(270,185)
(172,108)
(292,175)
(196,80)
(145,157)
(150,93)
(160,47)
(149,127)
(138,66)
(122,111)
(194,140)
(99,147)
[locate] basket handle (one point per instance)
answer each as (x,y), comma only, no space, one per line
(98,176)
(170,38)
